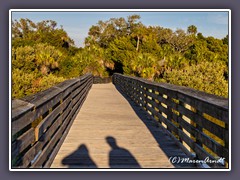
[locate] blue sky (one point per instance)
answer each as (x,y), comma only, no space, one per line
(77,24)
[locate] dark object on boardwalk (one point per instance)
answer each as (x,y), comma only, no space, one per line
(120,157)
(79,159)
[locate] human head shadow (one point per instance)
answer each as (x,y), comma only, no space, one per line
(166,144)
(120,157)
(79,158)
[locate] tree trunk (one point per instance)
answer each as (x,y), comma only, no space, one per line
(137,43)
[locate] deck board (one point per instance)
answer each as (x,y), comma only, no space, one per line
(110,132)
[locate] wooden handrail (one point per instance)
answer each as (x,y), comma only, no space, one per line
(41,122)
(197,121)
(101,80)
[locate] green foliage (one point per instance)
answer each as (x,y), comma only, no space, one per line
(156,53)
(37,51)
(43,55)
(88,60)
(26,32)
(145,66)
(192,29)
(40,57)
(205,76)
(24,84)
(47,82)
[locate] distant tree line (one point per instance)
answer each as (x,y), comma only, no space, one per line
(43,55)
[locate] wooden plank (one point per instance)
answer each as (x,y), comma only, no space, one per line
(44,100)
(202,155)
(33,152)
(42,97)
(66,102)
(48,149)
(26,159)
(66,111)
(20,108)
(208,98)
(153,111)
(185,150)
(22,142)
(203,138)
(46,122)
(57,147)
(80,101)
(213,105)
(200,152)
(204,123)
(66,87)
(167,89)
(186,139)
(75,86)
(161,108)
(76,99)
(22,115)
(92,128)
(80,87)
(169,124)
(36,149)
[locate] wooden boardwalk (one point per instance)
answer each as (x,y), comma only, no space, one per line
(111,132)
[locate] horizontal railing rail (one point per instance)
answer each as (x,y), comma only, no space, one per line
(101,80)
(197,121)
(41,122)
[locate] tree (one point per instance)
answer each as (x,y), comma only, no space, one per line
(205,76)
(132,22)
(46,52)
(26,32)
(192,30)
(41,57)
(225,40)
(146,66)
(180,41)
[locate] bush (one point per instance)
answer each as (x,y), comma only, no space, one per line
(24,84)
(205,76)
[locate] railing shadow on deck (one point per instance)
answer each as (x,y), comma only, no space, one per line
(169,147)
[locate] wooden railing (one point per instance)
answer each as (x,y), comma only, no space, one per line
(197,121)
(101,80)
(41,122)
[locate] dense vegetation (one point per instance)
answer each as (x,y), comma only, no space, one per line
(43,55)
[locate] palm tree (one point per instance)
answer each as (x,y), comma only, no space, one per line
(192,30)
(145,66)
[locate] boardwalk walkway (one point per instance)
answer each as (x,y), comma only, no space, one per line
(111,132)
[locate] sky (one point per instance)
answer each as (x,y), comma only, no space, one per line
(77,24)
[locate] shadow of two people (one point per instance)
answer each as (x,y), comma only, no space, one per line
(118,157)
